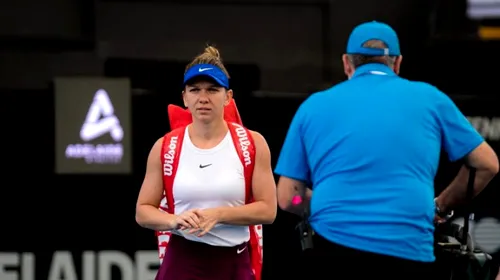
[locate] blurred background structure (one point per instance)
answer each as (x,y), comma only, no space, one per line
(68,199)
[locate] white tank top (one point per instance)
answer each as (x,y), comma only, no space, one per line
(209,178)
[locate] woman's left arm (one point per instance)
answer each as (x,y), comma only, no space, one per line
(263,209)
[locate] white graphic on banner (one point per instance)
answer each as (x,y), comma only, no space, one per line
(489,128)
(103,265)
(101,119)
(485,233)
(483,9)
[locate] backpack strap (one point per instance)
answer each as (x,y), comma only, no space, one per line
(243,141)
(170,152)
(245,146)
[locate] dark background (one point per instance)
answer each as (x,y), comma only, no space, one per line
(277,52)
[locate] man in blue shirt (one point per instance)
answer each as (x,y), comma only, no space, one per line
(370,148)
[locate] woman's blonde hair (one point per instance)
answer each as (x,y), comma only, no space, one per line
(211,56)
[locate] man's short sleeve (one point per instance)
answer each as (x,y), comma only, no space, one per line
(459,137)
(292,162)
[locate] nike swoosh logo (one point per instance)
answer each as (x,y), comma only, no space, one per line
(204,69)
(238,251)
(203,166)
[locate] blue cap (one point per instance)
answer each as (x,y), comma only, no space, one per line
(373,31)
(207,70)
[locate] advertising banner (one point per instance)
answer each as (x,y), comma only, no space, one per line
(89,265)
(93,126)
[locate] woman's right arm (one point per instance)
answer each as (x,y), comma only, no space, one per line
(147,213)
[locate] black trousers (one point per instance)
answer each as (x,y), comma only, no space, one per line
(333,261)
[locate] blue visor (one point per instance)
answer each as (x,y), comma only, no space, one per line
(207,70)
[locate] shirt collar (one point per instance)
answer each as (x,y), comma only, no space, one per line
(373,69)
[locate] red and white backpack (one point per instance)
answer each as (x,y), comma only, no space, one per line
(171,149)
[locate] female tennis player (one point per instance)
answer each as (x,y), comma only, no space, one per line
(217,180)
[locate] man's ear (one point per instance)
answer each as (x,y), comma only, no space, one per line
(397,64)
(348,67)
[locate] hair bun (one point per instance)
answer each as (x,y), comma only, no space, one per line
(212,51)
(211,56)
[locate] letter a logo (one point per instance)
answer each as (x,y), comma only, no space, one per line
(94,126)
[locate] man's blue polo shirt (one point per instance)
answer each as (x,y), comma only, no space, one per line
(370,148)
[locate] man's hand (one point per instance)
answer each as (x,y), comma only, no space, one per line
(438,220)
(185,220)
(208,219)
(442,213)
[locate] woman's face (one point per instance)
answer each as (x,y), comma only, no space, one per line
(206,100)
